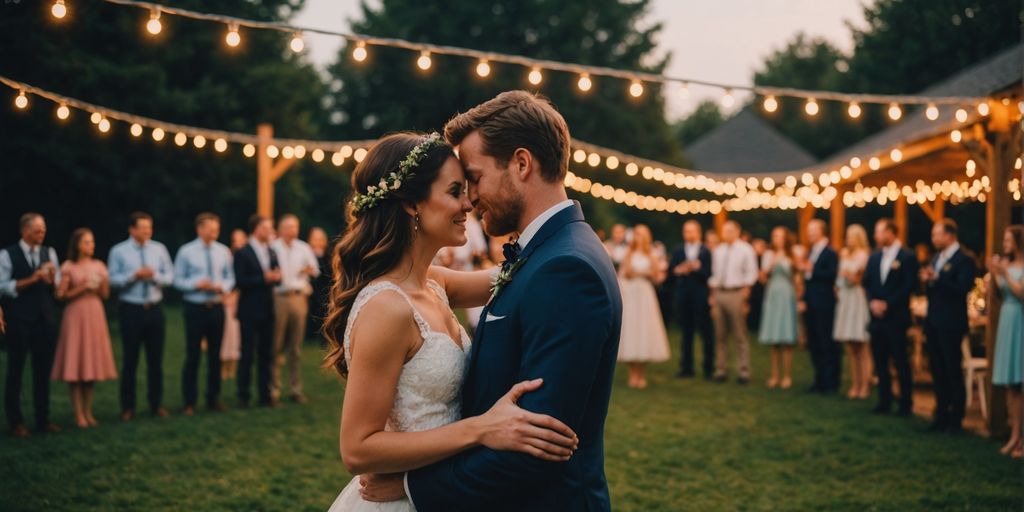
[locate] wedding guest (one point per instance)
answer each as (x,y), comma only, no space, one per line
(819,271)
(298,264)
(83,355)
(257,272)
(202,272)
(757,290)
(1008,273)
(140,268)
(779,316)
(852,316)
(28,273)
(320,244)
(889,279)
(231,343)
(690,270)
(617,245)
(948,278)
(662,287)
(711,241)
(643,337)
(733,272)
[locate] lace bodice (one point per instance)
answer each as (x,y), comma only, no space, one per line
(428,393)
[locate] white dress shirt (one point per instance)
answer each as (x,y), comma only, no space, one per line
(534,226)
(888,256)
(692,250)
(815,254)
(734,265)
(945,255)
(8,285)
(292,258)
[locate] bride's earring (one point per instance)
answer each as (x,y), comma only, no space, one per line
(416,227)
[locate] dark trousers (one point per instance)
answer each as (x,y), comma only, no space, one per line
(38,339)
(142,328)
(890,341)
(258,343)
(694,315)
(945,360)
(201,322)
(826,355)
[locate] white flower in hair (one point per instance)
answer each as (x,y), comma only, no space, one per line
(390,183)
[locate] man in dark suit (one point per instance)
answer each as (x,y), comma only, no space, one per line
(819,305)
(689,271)
(890,277)
(28,271)
(256,274)
(948,279)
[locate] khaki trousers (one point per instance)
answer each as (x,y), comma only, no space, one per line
(290,312)
(730,317)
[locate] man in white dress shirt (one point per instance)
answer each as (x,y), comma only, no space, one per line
(733,272)
(291,302)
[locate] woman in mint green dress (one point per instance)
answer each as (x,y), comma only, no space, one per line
(1008,274)
(778,313)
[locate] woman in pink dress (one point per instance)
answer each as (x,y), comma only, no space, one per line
(231,344)
(83,354)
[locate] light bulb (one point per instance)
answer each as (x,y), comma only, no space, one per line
(180,139)
(853,110)
(728,100)
(359,53)
(896,155)
(535,77)
(895,112)
(932,112)
(199,141)
(956,136)
(297,44)
(249,150)
(337,159)
(63,112)
(983,108)
(233,38)
(636,89)
(961,115)
(359,154)
(136,129)
(153,26)
(158,134)
(483,69)
(424,61)
(318,155)
(300,151)
(21,101)
(874,163)
(104,125)
(272,151)
(770,104)
(59,10)
(220,145)
(584,82)
(684,90)
(811,107)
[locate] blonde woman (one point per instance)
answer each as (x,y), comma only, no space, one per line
(643,337)
(852,317)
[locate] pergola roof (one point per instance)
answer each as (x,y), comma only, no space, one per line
(747,142)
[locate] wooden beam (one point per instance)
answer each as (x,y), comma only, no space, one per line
(264,171)
(935,211)
(805,216)
(837,218)
(281,166)
(900,217)
(720,218)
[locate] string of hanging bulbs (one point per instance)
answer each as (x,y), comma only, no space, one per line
(586,75)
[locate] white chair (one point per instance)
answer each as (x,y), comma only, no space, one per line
(975,370)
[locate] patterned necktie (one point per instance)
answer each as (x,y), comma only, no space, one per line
(145,282)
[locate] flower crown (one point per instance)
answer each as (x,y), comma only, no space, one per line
(376,193)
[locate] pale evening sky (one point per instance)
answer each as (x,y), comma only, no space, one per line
(720,40)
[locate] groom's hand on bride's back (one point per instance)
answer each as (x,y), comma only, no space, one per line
(508,427)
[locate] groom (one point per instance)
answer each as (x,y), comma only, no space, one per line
(556,315)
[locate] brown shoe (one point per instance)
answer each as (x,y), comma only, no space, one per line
(49,428)
(188,411)
(217,407)
(20,431)
(160,412)
(300,399)
(127,416)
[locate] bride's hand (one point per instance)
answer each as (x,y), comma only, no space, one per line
(508,427)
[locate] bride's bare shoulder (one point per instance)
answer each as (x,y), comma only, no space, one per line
(383,319)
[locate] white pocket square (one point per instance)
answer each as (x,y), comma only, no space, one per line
(491,318)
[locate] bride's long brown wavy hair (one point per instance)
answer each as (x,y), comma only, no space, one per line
(377,238)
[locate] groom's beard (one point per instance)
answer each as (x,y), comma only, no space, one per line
(503,215)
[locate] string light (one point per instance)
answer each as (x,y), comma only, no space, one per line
(970,168)
(961,115)
(424,61)
(297,44)
(95,118)
(288,152)
(983,108)
(233,38)
(220,145)
(896,155)
(359,53)
(932,112)
(535,77)
(483,69)
(636,89)
(135,130)
(158,134)
(770,104)
(956,136)
(63,112)
(359,154)
(180,139)
(317,155)
(272,151)
(21,101)
(895,112)
(853,110)
(199,141)
(811,107)
(684,90)
(153,26)
(584,82)
(727,99)
(59,10)
(249,150)
(104,125)
(874,163)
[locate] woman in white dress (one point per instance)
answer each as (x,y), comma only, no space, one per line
(851,323)
(643,337)
(392,334)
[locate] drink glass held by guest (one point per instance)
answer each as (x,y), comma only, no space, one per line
(779,316)
(140,268)
(689,271)
(643,338)
(83,355)
(1008,276)
(852,316)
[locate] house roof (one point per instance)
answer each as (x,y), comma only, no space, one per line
(747,143)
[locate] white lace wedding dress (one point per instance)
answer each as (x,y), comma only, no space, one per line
(428,392)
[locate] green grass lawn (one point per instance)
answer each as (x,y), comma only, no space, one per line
(679,445)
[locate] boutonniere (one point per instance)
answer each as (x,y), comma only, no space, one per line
(895,264)
(504,277)
(947,267)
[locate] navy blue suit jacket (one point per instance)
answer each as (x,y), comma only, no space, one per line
(895,290)
(947,293)
(256,296)
(819,290)
(694,284)
(558,319)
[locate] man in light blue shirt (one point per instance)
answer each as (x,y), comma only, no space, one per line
(140,268)
(203,272)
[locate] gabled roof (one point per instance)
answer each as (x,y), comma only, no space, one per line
(746,143)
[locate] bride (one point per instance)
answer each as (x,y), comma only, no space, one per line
(392,333)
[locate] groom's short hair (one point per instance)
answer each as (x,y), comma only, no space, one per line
(513,120)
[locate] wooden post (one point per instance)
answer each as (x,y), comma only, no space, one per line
(837,218)
(900,217)
(267,170)
(805,216)
(935,211)
(720,218)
